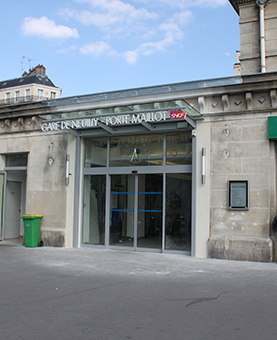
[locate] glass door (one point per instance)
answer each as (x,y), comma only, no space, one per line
(122,210)
(150,211)
(136,210)
(178,212)
(2,183)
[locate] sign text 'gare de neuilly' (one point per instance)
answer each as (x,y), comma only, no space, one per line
(115,120)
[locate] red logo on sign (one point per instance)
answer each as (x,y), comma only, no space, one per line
(177,115)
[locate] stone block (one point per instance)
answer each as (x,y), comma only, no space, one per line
(249,12)
(261,100)
(237,103)
(256,165)
(39,184)
(251,223)
(49,204)
(53,238)
(239,229)
(256,133)
(217,151)
(248,149)
(219,198)
(270,23)
(225,133)
(246,229)
(256,249)
(17,145)
(271,63)
(250,37)
(247,27)
(218,182)
(226,166)
(259,199)
(246,51)
(220,228)
(271,9)
(214,104)
(218,215)
(250,66)
(271,34)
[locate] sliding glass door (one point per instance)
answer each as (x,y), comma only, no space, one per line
(136,210)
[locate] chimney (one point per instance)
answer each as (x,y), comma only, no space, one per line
(237,65)
(39,69)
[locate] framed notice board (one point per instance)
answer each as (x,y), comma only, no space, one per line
(238,195)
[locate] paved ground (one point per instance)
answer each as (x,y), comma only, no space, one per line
(56,293)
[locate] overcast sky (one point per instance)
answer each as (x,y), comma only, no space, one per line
(90,46)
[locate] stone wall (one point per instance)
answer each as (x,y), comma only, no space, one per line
(46,192)
(240,150)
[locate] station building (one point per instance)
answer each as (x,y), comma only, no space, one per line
(187,168)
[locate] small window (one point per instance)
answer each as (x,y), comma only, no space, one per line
(17,96)
(96,152)
(8,97)
(53,95)
(16,160)
(27,95)
(40,94)
(178,148)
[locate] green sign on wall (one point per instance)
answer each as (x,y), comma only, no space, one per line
(272,127)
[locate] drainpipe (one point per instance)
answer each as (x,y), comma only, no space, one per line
(261,4)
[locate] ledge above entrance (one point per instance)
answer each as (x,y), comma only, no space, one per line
(149,117)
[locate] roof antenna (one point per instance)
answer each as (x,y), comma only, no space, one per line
(22,63)
(29,63)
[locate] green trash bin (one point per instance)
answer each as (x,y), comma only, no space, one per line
(31,230)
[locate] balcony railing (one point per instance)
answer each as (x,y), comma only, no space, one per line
(20,100)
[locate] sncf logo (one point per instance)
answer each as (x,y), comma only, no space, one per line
(177,115)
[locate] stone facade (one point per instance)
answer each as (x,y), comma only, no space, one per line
(233,130)
(240,150)
(46,193)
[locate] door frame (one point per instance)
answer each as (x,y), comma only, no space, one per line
(17,174)
(3,172)
(14,209)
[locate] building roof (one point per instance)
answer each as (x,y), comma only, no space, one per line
(27,80)
(235,3)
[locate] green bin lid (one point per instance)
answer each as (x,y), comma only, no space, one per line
(32,216)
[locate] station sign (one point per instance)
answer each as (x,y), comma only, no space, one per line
(109,120)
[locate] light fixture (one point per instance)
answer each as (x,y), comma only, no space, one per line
(203,165)
(67,170)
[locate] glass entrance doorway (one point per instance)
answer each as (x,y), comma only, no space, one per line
(136,210)
(137,192)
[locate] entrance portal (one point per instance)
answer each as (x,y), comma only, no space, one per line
(137,191)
